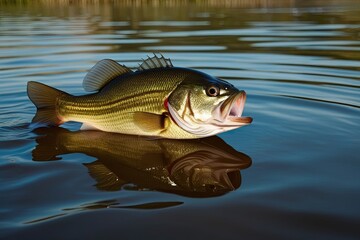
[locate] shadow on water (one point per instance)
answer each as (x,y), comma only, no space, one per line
(194,168)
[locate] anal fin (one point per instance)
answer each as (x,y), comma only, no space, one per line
(87,126)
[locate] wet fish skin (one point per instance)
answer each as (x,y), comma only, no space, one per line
(121,104)
(168,102)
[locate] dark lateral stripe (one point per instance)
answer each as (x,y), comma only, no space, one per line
(91,107)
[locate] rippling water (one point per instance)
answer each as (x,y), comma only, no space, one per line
(292,174)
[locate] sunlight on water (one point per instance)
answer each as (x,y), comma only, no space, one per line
(293,173)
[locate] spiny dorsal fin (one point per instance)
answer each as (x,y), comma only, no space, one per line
(103,72)
(155,62)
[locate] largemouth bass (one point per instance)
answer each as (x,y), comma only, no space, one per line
(156,100)
(193,167)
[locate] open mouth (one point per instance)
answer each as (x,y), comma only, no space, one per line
(232,108)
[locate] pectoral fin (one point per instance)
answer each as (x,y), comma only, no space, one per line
(151,122)
(106,179)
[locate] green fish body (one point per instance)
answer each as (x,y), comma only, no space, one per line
(156,100)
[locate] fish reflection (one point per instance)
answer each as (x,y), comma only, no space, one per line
(196,168)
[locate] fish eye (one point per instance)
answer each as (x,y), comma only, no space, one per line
(212,91)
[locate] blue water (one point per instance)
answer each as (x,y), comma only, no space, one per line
(292,174)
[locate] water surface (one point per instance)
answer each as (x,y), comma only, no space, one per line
(292,174)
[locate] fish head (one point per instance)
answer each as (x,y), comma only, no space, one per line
(204,105)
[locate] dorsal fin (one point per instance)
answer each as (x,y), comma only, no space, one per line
(155,62)
(103,72)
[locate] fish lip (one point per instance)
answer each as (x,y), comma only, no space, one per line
(231,110)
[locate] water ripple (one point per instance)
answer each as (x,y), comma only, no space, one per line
(300,68)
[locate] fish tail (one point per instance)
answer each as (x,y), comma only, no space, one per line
(45,98)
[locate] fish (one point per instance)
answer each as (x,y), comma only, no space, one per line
(157,100)
(203,167)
